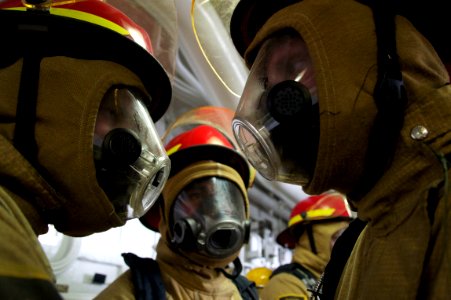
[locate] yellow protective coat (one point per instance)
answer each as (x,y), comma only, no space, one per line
(181,278)
(288,285)
(403,252)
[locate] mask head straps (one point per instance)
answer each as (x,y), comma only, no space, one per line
(238,267)
(389,96)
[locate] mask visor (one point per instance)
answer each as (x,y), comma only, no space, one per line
(213,212)
(276,122)
(131,163)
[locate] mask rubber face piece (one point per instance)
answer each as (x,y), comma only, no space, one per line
(131,164)
(277,120)
(208,217)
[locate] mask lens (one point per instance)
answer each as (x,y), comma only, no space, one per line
(217,207)
(131,164)
(258,152)
(277,120)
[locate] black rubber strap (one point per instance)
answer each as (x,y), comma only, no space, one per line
(340,254)
(24,132)
(146,277)
(389,96)
(247,288)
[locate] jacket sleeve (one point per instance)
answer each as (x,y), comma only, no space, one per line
(25,272)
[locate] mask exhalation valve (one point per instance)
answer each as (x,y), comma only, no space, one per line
(287,100)
(121,147)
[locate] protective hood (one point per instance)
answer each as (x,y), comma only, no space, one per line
(323,233)
(174,186)
(63,182)
(345,66)
(184,279)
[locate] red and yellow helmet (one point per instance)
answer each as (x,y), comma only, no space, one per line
(205,133)
(205,142)
(84,29)
(202,134)
(329,206)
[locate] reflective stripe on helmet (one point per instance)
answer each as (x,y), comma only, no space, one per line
(315,213)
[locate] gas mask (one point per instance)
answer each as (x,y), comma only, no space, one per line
(131,163)
(277,120)
(208,217)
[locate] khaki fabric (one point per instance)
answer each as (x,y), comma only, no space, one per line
(182,279)
(284,284)
(402,251)
(21,252)
(69,95)
(120,289)
(25,272)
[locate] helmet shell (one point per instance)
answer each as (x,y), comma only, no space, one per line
(249,16)
(259,275)
(205,143)
(201,134)
(86,29)
(329,206)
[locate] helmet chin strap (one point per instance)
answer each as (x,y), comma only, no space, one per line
(24,132)
(311,238)
(238,267)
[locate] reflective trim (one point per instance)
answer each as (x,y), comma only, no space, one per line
(173,149)
(82,16)
(315,213)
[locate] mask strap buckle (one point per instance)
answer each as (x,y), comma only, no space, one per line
(238,268)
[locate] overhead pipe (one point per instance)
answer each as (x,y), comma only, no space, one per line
(269,203)
(289,194)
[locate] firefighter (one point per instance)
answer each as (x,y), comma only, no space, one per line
(350,96)
(202,216)
(314,225)
(80,92)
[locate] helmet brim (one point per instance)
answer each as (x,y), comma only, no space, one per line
(290,235)
(286,238)
(50,35)
(249,16)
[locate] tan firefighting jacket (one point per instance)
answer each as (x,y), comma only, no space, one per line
(182,280)
(288,285)
(404,251)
